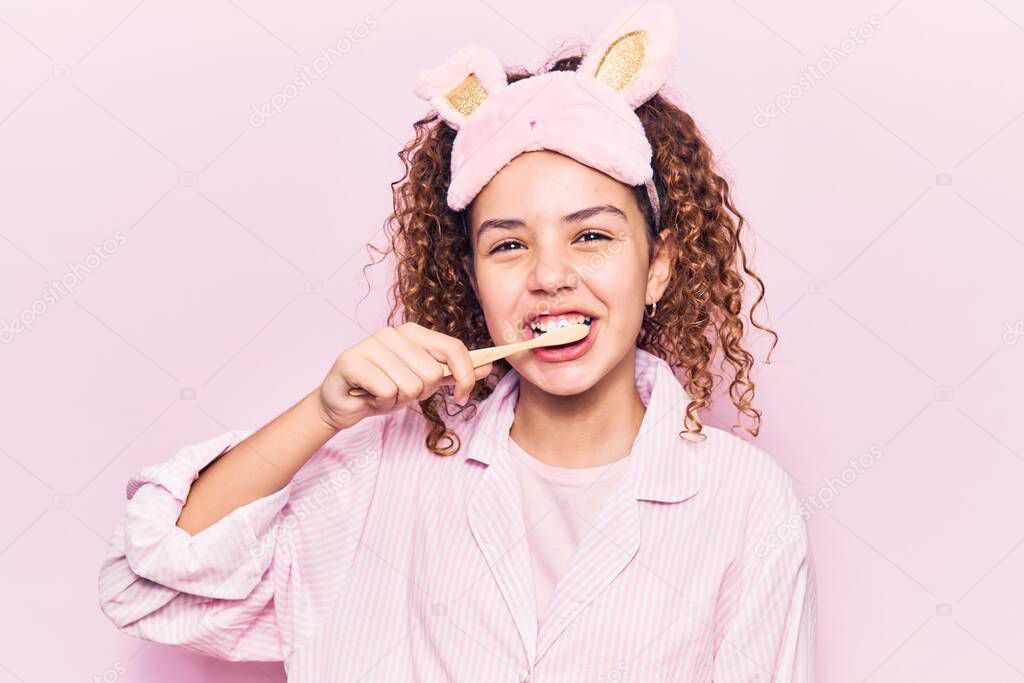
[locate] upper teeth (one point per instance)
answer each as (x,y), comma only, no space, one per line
(554,323)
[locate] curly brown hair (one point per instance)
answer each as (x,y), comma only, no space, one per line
(699,312)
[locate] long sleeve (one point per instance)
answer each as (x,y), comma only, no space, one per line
(767,620)
(253,585)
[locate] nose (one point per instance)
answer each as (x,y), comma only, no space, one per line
(552,272)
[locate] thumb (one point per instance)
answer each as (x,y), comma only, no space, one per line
(478,374)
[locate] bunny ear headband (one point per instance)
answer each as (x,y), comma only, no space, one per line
(585,114)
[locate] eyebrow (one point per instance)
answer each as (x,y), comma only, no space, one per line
(574,217)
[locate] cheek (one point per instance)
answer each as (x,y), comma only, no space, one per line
(500,298)
(619,281)
(498,291)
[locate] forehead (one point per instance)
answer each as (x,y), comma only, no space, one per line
(540,185)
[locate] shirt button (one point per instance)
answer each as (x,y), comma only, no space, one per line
(524,677)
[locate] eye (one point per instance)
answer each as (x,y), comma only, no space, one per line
(507,243)
(597,235)
(500,246)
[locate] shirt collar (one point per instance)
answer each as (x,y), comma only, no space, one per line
(669,468)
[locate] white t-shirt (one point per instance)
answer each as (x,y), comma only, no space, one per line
(560,504)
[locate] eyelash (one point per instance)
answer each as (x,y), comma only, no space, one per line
(498,247)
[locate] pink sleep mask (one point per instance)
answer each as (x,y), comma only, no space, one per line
(587,114)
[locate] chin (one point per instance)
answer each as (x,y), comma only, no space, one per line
(564,379)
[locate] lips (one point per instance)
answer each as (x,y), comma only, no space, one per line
(568,352)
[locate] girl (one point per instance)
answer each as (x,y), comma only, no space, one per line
(570,518)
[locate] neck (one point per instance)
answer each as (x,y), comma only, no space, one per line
(589,429)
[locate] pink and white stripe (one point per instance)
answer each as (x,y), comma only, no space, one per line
(383,562)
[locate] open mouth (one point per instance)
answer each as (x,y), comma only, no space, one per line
(538,327)
(561,352)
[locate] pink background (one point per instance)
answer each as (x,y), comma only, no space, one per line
(882,221)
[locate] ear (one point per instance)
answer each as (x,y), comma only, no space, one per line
(660,270)
(634,55)
(458,87)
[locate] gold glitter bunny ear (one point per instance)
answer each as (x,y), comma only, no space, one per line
(462,84)
(635,54)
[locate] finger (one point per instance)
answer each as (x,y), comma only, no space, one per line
(448,350)
(382,391)
(419,360)
(480,373)
(483,371)
(381,352)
